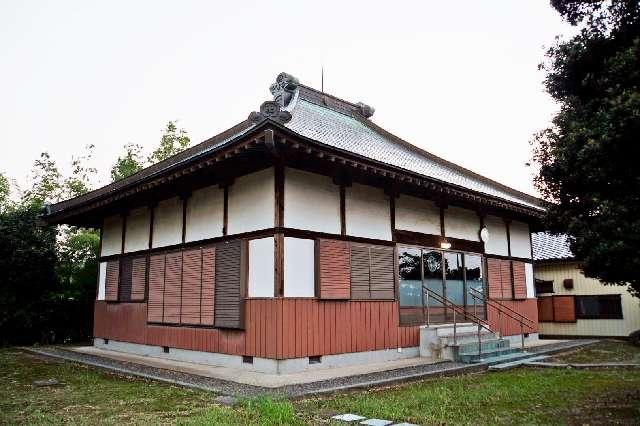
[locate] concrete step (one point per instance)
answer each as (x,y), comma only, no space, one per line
(461,338)
(486,346)
(493,357)
(512,364)
(447,330)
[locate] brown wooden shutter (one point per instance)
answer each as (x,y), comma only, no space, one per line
(138,278)
(519,281)
(360,272)
(156,288)
(505,275)
(333,269)
(172,288)
(208,285)
(382,272)
(564,309)
(124,289)
(545,309)
(229,285)
(495,278)
(112,281)
(191,286)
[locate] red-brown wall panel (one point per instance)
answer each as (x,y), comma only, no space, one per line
(275,328)
(509,327)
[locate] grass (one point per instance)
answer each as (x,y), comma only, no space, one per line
(90,396)
(604,351)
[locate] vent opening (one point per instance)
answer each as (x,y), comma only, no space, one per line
(246,359)
(106,341)
(165,349)
(316,359)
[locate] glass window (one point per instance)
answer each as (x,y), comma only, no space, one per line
(410,279)
(454,276)
(599,307)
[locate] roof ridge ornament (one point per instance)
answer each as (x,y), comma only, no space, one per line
(271,110)
(365,110)
(284,88)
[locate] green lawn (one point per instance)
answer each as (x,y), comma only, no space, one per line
(89,396)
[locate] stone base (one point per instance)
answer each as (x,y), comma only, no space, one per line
(262,365)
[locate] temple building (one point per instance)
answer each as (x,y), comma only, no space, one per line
(306,236)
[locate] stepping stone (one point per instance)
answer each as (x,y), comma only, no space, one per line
(47,382)
(376,422)
(226,400)
(348,417)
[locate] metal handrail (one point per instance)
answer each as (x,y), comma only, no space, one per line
(504,307)
(477,320)
(501,308)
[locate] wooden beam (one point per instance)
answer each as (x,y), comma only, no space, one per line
(343,213)
(278,275)
(225,211)
(279,194)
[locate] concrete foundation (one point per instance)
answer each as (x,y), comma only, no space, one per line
(262,365)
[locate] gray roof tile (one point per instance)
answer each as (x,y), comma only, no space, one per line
(547,246)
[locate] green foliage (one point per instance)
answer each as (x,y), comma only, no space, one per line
(27,262)
(128,164)
(5,192)
(172,142)
(588,158)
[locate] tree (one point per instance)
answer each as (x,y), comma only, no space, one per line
(588,157)
(128,164)
(5,192)
(173,141)
(46,182)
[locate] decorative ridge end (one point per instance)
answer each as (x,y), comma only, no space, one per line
(272,110)
(365,110)
(284,88)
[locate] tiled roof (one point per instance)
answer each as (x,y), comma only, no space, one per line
(547,246)
(333,125)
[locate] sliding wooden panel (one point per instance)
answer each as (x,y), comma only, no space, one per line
(494,277)
(564,309)
(545,308)
(138,278)
(360,263)
(208,285)
(112,281)
(156,288)
(124,288)
(507,284)
(191,286)
(333,269)
(519,281)
(229,282)
(382,272)
(172,288)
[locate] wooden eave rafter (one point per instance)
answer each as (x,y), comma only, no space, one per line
(285,139)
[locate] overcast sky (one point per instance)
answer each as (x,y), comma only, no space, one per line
(458,79)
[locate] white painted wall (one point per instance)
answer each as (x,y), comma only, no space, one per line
(311,202)
(417,215)
(167,222)
(261,267)
(252,202)
(138,226)
(205,214)
(520,239)
(111,235)
(497,243)
(367,212)
(102,279)
(299,267)
(461,223)
(529,280)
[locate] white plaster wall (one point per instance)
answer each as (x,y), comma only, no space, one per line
(252,202)
(167,222)
(520,240)
(299,267)
(102,279)
(529,280)
(497,243)
(417,215)
(205,214)
(138,224)
(461,223)
(112,235)
(311,202)
(261,267)
(367,212)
